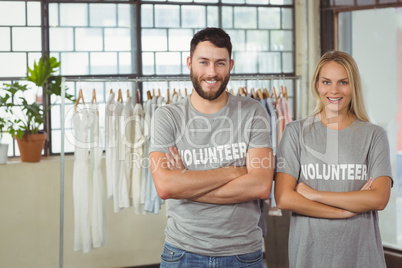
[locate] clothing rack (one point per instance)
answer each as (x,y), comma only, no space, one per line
(296,79)
(171,78)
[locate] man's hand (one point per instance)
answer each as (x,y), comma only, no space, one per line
(174,160)
(367,185)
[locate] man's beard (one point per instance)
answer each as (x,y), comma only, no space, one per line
(209,95)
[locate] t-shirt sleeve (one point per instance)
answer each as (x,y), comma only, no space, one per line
(287,159)
(379,159)
(162,131)
(260,130)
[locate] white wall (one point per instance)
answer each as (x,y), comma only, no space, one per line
(29,223)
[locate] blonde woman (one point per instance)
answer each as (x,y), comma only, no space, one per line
(334,174)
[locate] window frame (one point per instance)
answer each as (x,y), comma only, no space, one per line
(330,11)
(137,4)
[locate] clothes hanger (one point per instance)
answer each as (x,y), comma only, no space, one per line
(119,96)
(159,92)
(266,94)
(128,93)
(282,92)
(185,91)
(253,93)
(153,92)
(260,94)
(174,91)
(149,96)
(274,94)
(80,97)
(94,96)
(168,97)
(111,91)
(138,96)
(286,93)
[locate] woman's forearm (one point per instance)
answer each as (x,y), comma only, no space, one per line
(357,201)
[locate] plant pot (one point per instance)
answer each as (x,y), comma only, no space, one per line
(31,146)
(3,153)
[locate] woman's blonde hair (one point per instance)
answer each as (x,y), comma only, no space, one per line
(356,106)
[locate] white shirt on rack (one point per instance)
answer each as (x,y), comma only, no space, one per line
(137,179)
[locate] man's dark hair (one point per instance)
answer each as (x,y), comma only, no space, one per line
(216,36)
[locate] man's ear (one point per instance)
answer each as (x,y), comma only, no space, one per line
(189,62)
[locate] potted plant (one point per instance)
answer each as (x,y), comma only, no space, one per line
(3,146)
(27,122)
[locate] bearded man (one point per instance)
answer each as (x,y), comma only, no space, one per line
(211,158)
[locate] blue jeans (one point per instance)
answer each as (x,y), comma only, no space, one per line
(173,257)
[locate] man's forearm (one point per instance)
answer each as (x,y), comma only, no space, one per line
(242,189)
(187,184)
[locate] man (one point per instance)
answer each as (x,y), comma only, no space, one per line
(210,156)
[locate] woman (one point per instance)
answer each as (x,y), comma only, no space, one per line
(334,174)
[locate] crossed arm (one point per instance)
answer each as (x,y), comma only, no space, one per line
(225,185)
(302,199)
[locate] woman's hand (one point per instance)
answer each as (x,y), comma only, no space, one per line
(306,191)
(311,194)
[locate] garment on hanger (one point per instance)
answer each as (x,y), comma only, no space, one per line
(152,200)
(125,131)
(81,183)
(111,138)
(273,123)
(281,119)
(116,156)
(288,117)
(147,137)
(160,101)
(98,207)
(175,98)
(137,179)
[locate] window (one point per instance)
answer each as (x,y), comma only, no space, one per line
(377,33)
(132,38)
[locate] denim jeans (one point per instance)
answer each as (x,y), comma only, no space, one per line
(173,257)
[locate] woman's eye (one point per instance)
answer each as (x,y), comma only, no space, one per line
(344,83)
(325,82)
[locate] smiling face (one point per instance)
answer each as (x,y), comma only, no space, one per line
(334,89)
(210,68)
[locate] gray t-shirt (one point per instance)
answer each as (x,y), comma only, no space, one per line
(340,161)
(205,142)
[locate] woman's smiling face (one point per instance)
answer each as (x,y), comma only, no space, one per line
(334,89)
